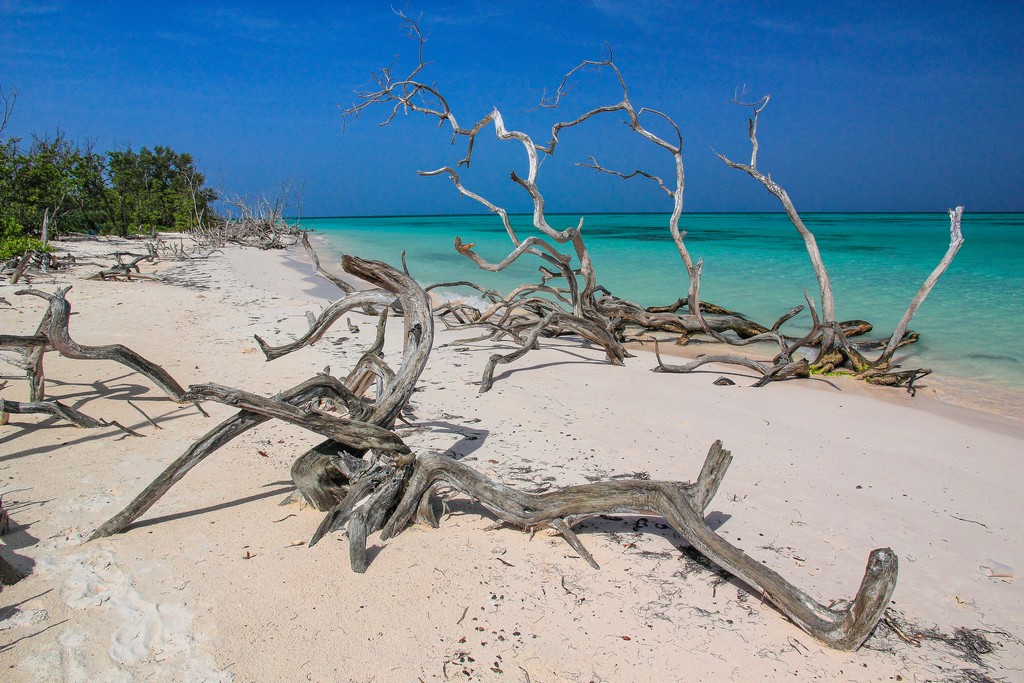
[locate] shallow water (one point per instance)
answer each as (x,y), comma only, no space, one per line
(970,325)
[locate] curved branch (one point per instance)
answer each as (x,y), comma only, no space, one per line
(315,260)
(956,240)
(418,334)
(525,247)
(326,319)
(843,629)
(587,329)
(241,422)
(59,410)
(60,338)
(828,309)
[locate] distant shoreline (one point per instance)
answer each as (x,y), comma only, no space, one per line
(949,390)
(652,213)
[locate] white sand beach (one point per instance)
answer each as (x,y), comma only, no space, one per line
(216,583)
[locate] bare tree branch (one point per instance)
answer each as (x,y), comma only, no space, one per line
(9,98)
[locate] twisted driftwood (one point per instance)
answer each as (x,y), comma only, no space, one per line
(368,479)
(52,334)
(54,330)
(682,505)
(612,317)
(835,352)
(367,425)
(312,389)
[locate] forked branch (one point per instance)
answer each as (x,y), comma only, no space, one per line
(682,505)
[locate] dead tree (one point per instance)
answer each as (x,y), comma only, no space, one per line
(834,350)
(53,334)
(575,306)
(253,222)
(581,306)
(367,478)
(595,314)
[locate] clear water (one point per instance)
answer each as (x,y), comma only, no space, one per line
(971,325)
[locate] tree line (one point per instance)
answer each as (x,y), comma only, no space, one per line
(52,184)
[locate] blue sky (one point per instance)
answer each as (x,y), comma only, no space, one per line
(875,106)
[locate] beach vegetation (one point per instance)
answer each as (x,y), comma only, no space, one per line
(14,242)
(55,184)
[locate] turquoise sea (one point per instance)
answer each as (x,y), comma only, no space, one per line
(971,325)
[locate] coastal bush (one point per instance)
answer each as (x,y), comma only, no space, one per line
(57,183)
(14,241)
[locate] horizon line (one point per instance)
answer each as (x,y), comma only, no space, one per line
(643,213)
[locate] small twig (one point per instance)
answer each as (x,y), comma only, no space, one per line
(148,418)
(115,423)
(962,519)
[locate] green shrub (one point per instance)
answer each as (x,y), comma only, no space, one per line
(14,241)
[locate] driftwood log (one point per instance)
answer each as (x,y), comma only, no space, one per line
(52,334)
(367,479)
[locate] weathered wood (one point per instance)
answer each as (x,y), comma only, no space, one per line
(828,307)
(8,574)
(956,240)
(581,326)
(679,504)
(19,270)
(418,334)
(355,434)
(323,475)
(59,336)
(14,341)
(330,315)
(33,359)
(241,422)
(339,515)
(370,517)
(367,427)
(781,369)
(59,410)
(315,260)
